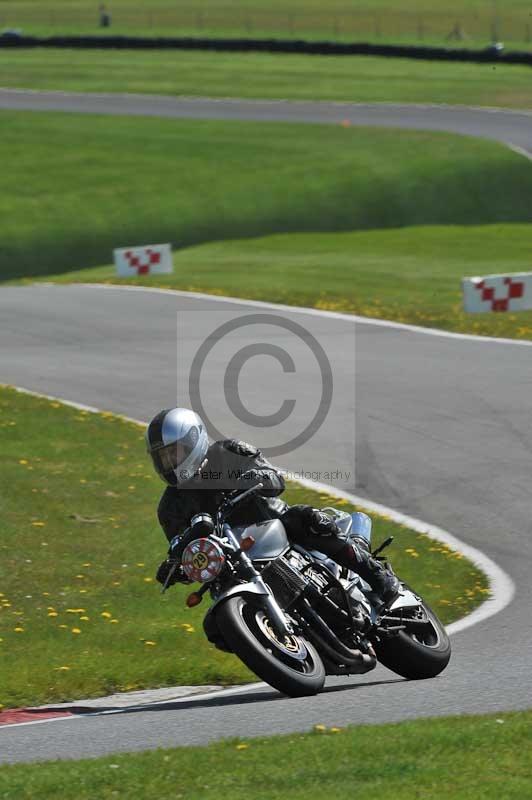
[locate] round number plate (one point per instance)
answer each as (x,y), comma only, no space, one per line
(202,560)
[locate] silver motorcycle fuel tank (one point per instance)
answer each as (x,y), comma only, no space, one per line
(270,539)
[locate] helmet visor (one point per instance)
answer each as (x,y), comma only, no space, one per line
(168,459)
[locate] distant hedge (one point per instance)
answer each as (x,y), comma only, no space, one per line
(488,55)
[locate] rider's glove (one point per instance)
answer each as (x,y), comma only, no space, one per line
(321,524)
(178,575)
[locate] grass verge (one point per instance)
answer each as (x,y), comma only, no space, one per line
(80,612)
(125,181)
(262,75)
(410,275)
(451,757)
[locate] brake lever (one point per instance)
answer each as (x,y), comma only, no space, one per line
(166,584)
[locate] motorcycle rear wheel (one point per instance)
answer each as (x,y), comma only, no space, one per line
(419,653)
(292,666)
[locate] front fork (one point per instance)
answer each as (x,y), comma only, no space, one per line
(256,586)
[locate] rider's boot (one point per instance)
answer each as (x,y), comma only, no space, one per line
(381,578)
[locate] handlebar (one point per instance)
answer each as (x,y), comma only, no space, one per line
(231,502)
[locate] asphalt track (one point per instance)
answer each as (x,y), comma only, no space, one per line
(442,433)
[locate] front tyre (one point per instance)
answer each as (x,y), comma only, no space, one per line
(291,665)
(420,651)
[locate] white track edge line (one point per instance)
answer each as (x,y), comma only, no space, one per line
(144,706)
(315,312)
(519,150)
(501,585)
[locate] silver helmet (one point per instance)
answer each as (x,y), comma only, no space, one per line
(177,442)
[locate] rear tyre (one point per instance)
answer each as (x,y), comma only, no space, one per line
(419,651)
(290,665)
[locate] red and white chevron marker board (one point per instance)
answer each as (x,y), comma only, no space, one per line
(152,259)
(498,293)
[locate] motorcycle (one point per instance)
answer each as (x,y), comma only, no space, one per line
(294,616)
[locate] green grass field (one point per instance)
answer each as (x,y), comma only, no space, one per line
(460,758)
(74,187)
(257,75)
(417,21)
(80,612)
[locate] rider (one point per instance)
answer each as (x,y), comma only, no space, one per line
(199,475)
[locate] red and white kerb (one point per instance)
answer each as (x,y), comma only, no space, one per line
(202,560)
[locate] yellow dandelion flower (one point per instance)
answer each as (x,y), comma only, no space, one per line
(150,644)
(62,669)
(63,626)
(113,621)
(242,746)
(38,524)
(106,614)
(148,580)
(85,618)
(76,630)
(22,461)
(335,730)
(320,728)
(19,630)
(140,564)
(88,564)
(52,614)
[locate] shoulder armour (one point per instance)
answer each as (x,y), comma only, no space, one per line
(241,448)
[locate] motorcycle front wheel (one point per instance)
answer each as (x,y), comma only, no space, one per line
(290,664)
